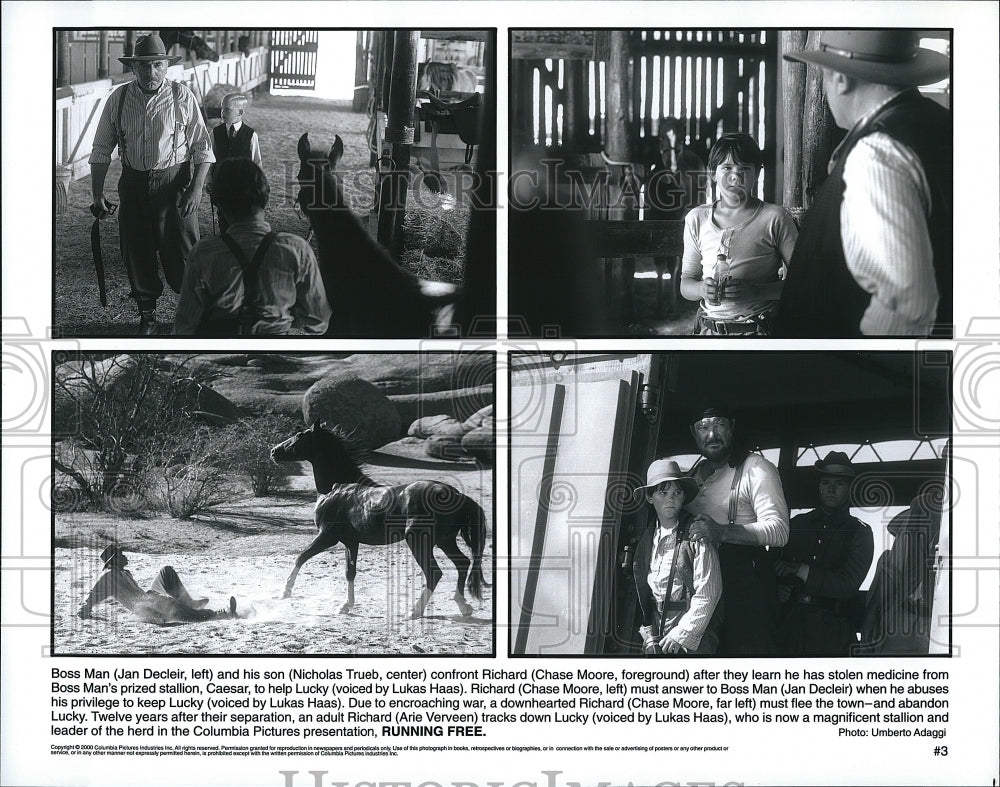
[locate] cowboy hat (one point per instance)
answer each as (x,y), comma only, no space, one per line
(836,463)
(110,553)
(149,48)
(887,57)
(667,470)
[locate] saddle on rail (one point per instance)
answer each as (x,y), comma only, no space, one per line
(456,117)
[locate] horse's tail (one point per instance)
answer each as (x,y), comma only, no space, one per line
(474,533)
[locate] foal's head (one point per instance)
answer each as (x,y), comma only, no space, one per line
(318,186)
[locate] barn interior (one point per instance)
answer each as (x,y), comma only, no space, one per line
(585,427)
(420,108)
(586,107)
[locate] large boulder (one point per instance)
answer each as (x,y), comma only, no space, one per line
(79,382)
(419,384)
(459,404)
(482,417)
(448,447)
(480,444)
(436,425)
(421,373)
(357,407)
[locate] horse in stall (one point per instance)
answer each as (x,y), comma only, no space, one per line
(353,509)
(188,45)
(369,294)
(446,78)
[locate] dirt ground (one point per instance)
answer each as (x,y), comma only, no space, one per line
(434,231)
(247,549)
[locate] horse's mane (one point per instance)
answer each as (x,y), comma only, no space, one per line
(354,451)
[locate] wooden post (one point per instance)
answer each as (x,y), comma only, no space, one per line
(476,312)
(399,135)
(63,59)
(617,145)
(360,98)
(818,130)
(619,91)
(129,48)
(386,73)
(792,102)
(103,54)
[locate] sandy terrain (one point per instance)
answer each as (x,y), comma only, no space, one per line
(247,549)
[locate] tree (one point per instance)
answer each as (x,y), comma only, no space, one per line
(249,443)
(108,412)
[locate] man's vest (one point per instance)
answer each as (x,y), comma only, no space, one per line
(821,299)
(238,148)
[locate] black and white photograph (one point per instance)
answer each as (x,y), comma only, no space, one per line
(271,182)
(512,502)
(731,182)
(272,503)
(738,504)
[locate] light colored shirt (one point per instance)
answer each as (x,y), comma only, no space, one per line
(151,130)
(290,290)
(760,501)
(755,251)
(702,576)
(254,142)
(116,583)
(883,227)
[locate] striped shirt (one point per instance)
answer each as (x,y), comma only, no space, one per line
(698,576)
(887,246)
(151,130)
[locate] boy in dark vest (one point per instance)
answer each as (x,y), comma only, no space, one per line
(874,257)
(233,138)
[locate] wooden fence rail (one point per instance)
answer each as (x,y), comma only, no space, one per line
(79,106)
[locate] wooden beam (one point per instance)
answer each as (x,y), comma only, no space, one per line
(819,132)
(619,75)
(399,133)
(539,51)
(62,59)
(454,35)
(793,101)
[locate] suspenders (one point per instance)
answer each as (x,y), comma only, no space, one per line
(250,268)
(668,604)
(175,89)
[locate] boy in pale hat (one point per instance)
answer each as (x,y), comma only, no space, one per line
(678,581)
(874,257)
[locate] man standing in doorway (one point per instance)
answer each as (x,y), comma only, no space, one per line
(820,569)
(740,506)
(874,257)
(166,151)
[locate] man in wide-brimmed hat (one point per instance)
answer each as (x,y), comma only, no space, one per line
(166,602)
(740,506)
(827,557)
(875,253)
(166,151)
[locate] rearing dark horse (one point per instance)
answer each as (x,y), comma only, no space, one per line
(353,509)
